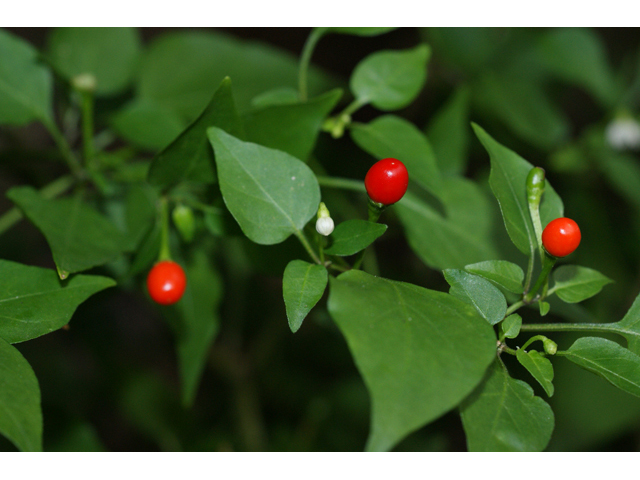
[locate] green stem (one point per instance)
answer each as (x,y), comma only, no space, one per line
(548,264)
(307,246)
(165,250)
(65,150)
(342,183)
(571,327)
(513,308)
(533,339)
(527,282)
(87,129)
(305,60)
(52,190)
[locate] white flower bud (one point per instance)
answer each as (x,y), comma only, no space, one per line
(623,133)
(324,226)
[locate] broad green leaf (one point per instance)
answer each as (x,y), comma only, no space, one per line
(195,322)
(577,55)
(521,104)
(629,326)
(503,415)
(277,96)
(448,131)
(181,70)
(34,301)
(20,414)
(501,273)
(147,124)
(420,352)
(360,31)
(460,238)
(109,54)
(617,365)
(270,193)
(303,284)
(390,80)
(508,182)
(351,236)
(544,308)
(25,84)
(392,136)
(476,291)
(292,128)
(79,237)
(190,156)
(574,284)
(539,367)
(511,325)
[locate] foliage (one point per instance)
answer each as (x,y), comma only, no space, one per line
(437,322)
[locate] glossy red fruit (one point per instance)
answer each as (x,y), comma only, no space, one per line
(561,237)
(386,182)
(166,282)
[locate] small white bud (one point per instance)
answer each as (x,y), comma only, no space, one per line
(85,82)
(324,226)
(623,133)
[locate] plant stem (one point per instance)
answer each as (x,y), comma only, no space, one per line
(342,183)
(571,327)
(513,308)
(547,264)
(307,246)
(87,129)
(65,150)
(165,250)
(52,190)
(305,60)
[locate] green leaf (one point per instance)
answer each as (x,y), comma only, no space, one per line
(522,105)
(25,85)
(390,80)
(147,124)
(196,322)
(448,132)
(141,213)
(508,182)
(351,236)
(629,326)
(292,128)
(277,96)
(577,55)
(574,284)
(544,308)
(503,415)
(617,365)
(419,351)
(109,54)
(501,273)
(361,31)
(392,136)
(190,156)
(539,367)
(20,414)
(79,237)
(303,284)
(34,301)
(476,291)
(460,238)
(181,70)
(511,325)
(270,193)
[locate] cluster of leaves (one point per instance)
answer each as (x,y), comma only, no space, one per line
(240,156)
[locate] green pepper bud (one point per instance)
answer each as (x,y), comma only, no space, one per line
(184,221)
(535,186)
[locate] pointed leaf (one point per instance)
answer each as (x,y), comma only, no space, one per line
(391,80)
(629,326)
(501,273)
(503,415)
(511,325)
(617,365)
(79,237)
(270,193)
(392,136)
(354,235)
(476,291)
(34,301)
(508,182)
(419,351)
(20,414)
(190,156)
(292,128)
(574,284)
(539,367)
(303,284)
(25,84)
(109,54)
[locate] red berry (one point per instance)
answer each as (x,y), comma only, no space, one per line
(166,282)
(386,182)
(561,237)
